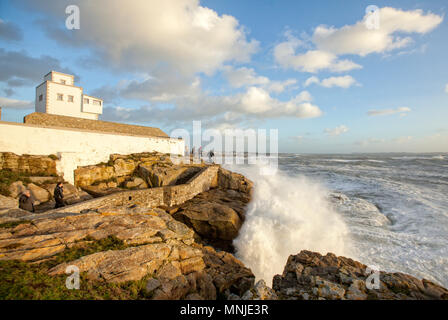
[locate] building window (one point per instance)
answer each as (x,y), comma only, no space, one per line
(63,81)
(40,98)
(86,101)
(70,98)
(60,97)
(96,102)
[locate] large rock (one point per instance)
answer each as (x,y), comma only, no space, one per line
(158,259)
(215,215)
(259,292)
(7,203)
(49,235)
(71,193)
(229,274)
(159,247)
(234,181)
(86,176)
(309,275)
(158,176)
(135,183)
(30,164)
(38,193)
(123,167)
(16,189)
(119,168)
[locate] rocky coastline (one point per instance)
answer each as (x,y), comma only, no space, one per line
(143,227)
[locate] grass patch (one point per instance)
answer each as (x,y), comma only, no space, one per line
(30,281)
(13,224)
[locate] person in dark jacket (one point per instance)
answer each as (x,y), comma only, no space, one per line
(26,202)
(59,195)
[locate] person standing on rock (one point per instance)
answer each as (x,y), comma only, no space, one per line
(59,195)
(211,155)
(26,202)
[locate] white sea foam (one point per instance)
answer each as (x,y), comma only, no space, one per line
(287,215)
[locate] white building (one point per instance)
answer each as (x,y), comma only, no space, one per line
(59,95)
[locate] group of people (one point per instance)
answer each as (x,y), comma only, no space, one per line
(26,201)
(210,154)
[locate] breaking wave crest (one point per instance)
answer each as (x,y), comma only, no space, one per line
(287,214)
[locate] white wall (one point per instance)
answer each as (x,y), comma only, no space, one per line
(64,108)
(40,105)
(57,77)
(91,107)
(78,148)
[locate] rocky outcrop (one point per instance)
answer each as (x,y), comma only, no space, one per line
(29,164)
(230,275)
(135,183)
(71,193)
(7,203)
(259,292)
(158,176)
(16,189)
(39,194)
(234,181)
(159,249)
(134,171)
(309,275)
(216,215)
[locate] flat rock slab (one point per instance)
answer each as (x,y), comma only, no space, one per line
(158,259)
(43,237)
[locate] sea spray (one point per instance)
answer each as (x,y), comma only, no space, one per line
(285,216)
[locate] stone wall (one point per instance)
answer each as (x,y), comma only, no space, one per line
(153,197)
(34,165)
(52,120)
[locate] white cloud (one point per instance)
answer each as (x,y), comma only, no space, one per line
(446,88)
(15,104)
(243,77)
(400,110)
(357,39)
(253,104)
(311,80)
(336,131)
(311,61)
(179,35)
(329,43)
(343,82)
(280,86)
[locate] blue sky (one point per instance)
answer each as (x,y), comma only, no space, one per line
(311,69)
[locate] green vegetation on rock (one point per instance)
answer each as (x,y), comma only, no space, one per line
(7,177)
(31,281)
(13,224)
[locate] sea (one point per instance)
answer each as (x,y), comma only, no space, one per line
(388,211)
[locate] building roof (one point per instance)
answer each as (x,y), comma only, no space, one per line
(53,120)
